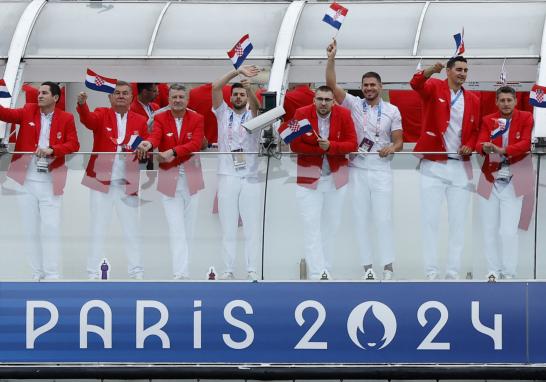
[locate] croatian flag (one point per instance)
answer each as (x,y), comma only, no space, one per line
(335,15)
(536,97)
(4,92)
(100,83)
(501,126)
(133,143)
(293,129)
(240,51)
(459,43)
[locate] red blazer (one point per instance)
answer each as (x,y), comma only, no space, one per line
(137,107)
(102,122)
(342,139)
(517,153)
(295,98)
(63,139)
(164,136)
(436,99)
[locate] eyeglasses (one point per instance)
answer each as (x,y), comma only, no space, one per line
(325,100)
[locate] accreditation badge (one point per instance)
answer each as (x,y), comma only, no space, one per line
(366,145)
(238,159)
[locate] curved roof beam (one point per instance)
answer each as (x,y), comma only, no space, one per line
(19,40)
(419,27)
(280,67)
(156,29)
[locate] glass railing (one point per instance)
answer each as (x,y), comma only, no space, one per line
(269,220)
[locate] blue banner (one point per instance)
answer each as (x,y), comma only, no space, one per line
(272,322)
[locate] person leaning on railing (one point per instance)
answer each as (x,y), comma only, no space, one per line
(450,125)
(507,175)
(177,133)
(51,134)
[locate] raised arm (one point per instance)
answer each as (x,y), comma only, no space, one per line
(331,81)
(253,102)
(217,86)
(419,81)
(89,120)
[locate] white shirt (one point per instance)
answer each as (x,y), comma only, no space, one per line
(43,142)
(452,136)
(178,122)
(118,169)
(324,132)
(233,136)
(147,108)
(365,119)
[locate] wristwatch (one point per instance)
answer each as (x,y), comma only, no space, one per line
(174,152)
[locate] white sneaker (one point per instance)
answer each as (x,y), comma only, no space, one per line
(252,275)
(387,275)
(452,275)
(507,276)
(432,276)
(180,277)
(227,276)
(137,276)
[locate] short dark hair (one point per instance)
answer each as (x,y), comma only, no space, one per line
(54,88)
(237,85)
(451,62)
(371,75)
(507,90)
(145,86)
(324,88)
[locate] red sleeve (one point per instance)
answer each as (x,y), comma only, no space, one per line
(11,115)
(157,132)
(196,139)
(89,119)
(347,140)
(31,94)
(71,144)
(143,128)
(483,136)
(421,85)
(304,144)
(524,145)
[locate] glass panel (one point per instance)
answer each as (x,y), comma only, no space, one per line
(295,213)
(368,30)
(483,35)
(183,32)
(115,225)
(9,17)
(94,29)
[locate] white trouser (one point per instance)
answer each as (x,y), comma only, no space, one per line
(239,196)
(320,210)
(180,212)
(101,215)
(500,218)
(439,179)
(41,222)
(371,193)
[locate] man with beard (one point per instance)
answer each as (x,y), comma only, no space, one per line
(113,179)
(238,187)
(450,125)
(378,126)
(322,176)
(51,134)
(177,133)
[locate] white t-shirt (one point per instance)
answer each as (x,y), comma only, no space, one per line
(118,168)
(232,136)
(43,142)
(324,132)
(452,136)
(365,119)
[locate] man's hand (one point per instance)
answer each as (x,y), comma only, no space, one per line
(43,152)
(82,98)
(323,143)
(249,70)
(465,150)
(385,151)
(489,148)
(436,68)
(166,156)
(142,149)
(331,50)
(246,85)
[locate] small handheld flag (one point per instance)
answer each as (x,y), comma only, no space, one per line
(419,65)
(536,97)
(4,92)
(459,43)
(503,74)
(501,126)
(240,51)
(100,83)
(335,15)
(293,129)
(134,141)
